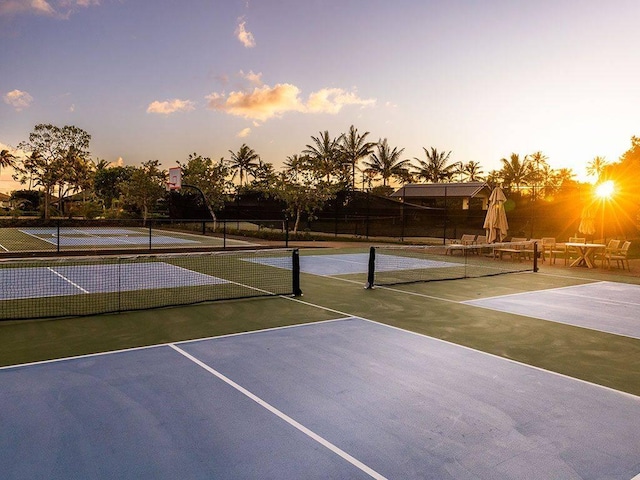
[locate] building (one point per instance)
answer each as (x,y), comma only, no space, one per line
(464,195)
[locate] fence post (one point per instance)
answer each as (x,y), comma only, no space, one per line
(58,234)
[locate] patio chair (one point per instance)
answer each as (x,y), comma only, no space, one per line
(621,256)
(551,249)
(611,247)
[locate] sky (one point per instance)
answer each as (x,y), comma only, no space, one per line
(158,80)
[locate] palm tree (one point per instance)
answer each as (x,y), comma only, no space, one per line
(387,163)
(243,162)
(324,154)
(472,171)
(7,159)
(435,169)
(596,167)
(354,147)
(514,171)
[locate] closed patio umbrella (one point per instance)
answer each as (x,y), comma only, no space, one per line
(587,222)
(495,223)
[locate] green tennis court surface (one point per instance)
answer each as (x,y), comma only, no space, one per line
(480,392)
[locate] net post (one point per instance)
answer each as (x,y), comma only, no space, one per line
(371,268)
(297,292)
(535,256)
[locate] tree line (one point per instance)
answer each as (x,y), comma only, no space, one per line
(57,162)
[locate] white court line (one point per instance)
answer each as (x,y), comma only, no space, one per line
(322,441)
(67,280)
(4,248)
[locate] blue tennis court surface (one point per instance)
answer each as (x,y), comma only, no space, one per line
(342,399)
(99,236)
(34,282)
(343,264)
(605,306)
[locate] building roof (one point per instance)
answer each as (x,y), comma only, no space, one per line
(442,190)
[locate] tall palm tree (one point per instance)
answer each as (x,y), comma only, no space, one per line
(472,171)
(243,162)
(7,159)
(354,147)
(596,167)
(435,168)
(387,163)
(324,155)
(515,171)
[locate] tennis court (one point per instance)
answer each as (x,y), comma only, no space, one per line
(340,399)
(78,238)
(417,380)
(606,306)
(40,282)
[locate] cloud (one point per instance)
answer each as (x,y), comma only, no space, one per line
(253,78)
(265,102)
(331,100)
(245,132)
(18,99)
(170,106)
(61,9)
(261,104)
(245,37)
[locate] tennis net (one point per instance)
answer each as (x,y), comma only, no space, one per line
(60,287)
(391,265)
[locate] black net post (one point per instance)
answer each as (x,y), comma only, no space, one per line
(371,268)
(296,273)
(535,256)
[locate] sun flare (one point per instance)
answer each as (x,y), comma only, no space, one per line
(605,189)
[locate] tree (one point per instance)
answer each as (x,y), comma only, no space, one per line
(54,152)
(7,159)
(472,171)
(387,163)
(209,177)
(435,168)
(107,183)
(300,198)
(243,161)
(514,171)
(353,148)
(324,155)
(596,167)
(145,187)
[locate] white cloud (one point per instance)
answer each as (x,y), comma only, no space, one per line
(245,132)
(265,102)
(18,99)
(170,106)
(53,8)
(253,78)
(331,100)
(245,37)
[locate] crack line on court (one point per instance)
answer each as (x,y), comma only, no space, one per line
(322,441)
(67,280)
